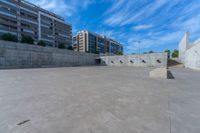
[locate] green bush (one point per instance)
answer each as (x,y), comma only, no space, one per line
(175,53)
(168,53)
(62,46)
(119,53)
(70,48)
(151,52)
(27,39)
(97,52)
(42,43)
(9,37)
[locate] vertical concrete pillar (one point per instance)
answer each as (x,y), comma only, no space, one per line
(183,46)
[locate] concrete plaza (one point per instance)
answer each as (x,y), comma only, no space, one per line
(98,100)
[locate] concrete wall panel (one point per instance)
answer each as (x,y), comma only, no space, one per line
(192,57)
(189,55)
(17,55)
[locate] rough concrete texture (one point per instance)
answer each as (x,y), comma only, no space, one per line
(183,46)
(16,55)
(189,54)
(144,60)
(192,56)
(159,73)
(98,100)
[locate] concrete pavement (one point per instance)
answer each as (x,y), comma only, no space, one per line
(98,100)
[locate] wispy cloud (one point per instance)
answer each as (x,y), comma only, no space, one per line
(56,6)
(127,12)
(63,7)
(152,42)
(157,23)
(142,27)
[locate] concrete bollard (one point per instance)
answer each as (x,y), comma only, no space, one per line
(161,73)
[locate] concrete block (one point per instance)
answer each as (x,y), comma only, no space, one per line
(159,73)
(154,60)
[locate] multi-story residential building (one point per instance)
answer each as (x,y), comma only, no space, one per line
(86,41)
(21,18)
(113,46)
(74,43)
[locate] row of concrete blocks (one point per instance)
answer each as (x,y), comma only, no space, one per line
(157,60)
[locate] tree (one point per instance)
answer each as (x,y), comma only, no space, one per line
(175,53)
(119,53)
(150,52)
(70,48)
(41,43)
(62,46)
(168,53)
(27,39)
(9,37)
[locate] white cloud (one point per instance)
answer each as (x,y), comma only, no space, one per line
(56,6)
(62,7)
(126,12)
(153,41)
(142,27)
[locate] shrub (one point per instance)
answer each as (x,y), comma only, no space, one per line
(9,37)
(27,39)
(42,43)
(175,53)
(62,46)
(119,53)
(97,52)
(151,52)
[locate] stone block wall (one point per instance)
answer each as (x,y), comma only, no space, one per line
(144,60)
(17,55)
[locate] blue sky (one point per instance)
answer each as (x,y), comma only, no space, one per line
(158,24)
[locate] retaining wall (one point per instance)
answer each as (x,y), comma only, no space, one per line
(17,55)
(144,60)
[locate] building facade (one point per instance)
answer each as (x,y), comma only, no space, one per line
(22,18)
(90,42)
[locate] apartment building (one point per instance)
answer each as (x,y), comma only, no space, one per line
(21,18)
(90,42)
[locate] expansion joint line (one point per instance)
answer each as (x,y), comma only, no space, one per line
(169,115)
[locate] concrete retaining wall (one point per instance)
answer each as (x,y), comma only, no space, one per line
(145,60)
(189,54)
(17,55)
